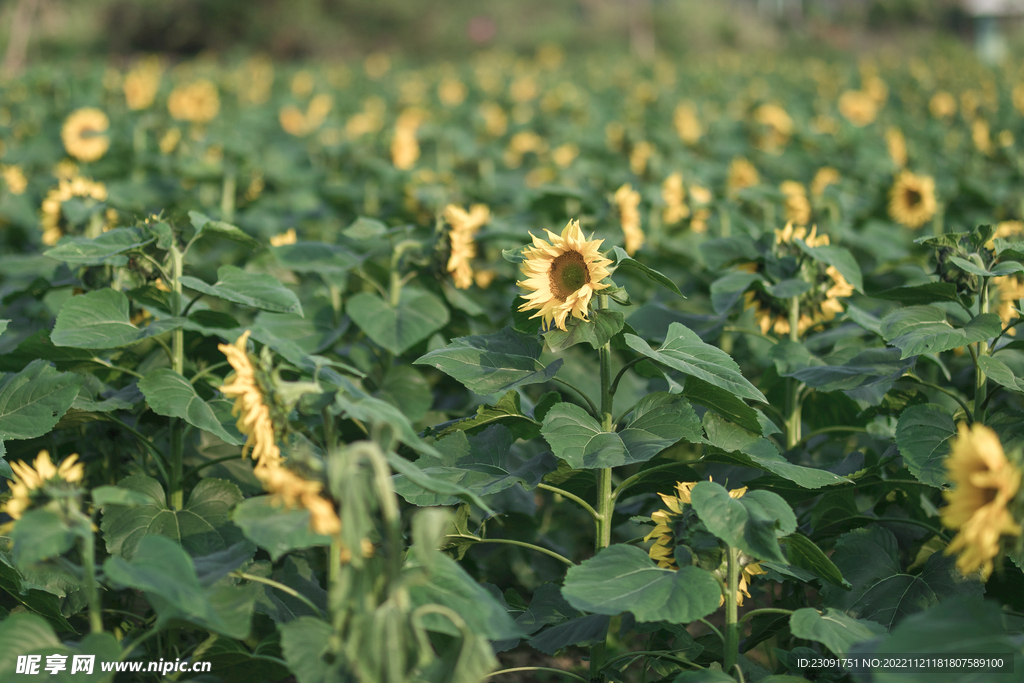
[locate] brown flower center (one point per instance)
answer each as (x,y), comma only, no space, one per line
(568,273)
(912,197)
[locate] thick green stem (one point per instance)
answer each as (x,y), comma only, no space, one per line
(793,385)
(227,197)
(605,500)
(178,365)
(88,550)
(980,379)
(732,624)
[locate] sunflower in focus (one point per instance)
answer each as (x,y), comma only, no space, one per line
(83,136)
(29,478)
(562,275)
(461,236)
(912,199)
(254,419)
(985,484)
(197,102)
(628,201)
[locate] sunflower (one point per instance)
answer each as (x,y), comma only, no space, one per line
(858,107)
(83,134)
(28,478)
(942,105)
(169,140)
(562,275)
(985,484)
(674,195)
(564,155)
(798,207)
(52,207)
(285,238)
(197,102)
(142,83)
(912,199)
(639,155)
(292,491)
(742,174)
(981,136)
(825,176)
(778,127)
(686,123)
(405,149)
(628,200)
(254,418)
(14,178)
(461,237)
(1011,291)
(897,145)
(1005,229)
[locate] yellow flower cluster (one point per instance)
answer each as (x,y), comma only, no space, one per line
(778,127)
(197,102)
(798,206)
(858,107)
(142,83)
(29,478)
(292,491)
(628,201)
(83,136)
(14,178)
(461,235)
(405,149)
(298,123)
(742,174)
(686,123)
(674,195)
(985,483)
(67,188)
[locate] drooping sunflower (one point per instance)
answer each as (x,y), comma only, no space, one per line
(461,237)
(912,199)
(985,483)
(254,419)
(28,478)
(562,275)
(292,491)
(628,201)
(83,136)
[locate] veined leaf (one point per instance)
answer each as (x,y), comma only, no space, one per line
(923,433)
(398,328)
(171,395)
(916,330)
(620,259)
(602,326)
(274,529)
(754,522)
(85,251)
(204,225)
(256,290)
(34,400)
(833,628)
(100,320)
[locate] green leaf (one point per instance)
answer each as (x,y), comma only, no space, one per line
(171,395)
(507,411)
(297,575)
(34,400)
(492,363)
(364,228)
(21,634)
(622,578)
(787,289)
(916,330)
(839,257)
(722,402)
(659,421)
(32,596)
(547,608)
(684,351)
(727,290)
(704,676)
(602,326)
(204,225)
(587,630)
(304,643)
(83,251)
(923,433)
(201,527)
(162,569)
(418,314)
(115,495)
(751,523)
(407,389)
(482,463)
(39,535)
(315,257)
(928,293)
(802,552)
(39,347)
(869,559)
(256,290)
(837,631)
(869,368)
(736,446)
(1000,373)
(3,326)
(620,259)
(100,320)
(276,530)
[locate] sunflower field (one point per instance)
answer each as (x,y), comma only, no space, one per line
(524,368)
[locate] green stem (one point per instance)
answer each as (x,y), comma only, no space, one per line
(158,457)
(571,496)
(88,550)
(206,371)
(283,588)
(980,379)
(767,610)
(713,629)
(521,544)
(622,371)
(590,404)
(793,385)
(178,365)
(216,461)
(539,668)
(227,197)
(605,500)
(118,368)
(630,481)
(732,624)
(947,392)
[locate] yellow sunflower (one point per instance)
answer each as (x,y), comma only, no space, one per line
(254,418)
(985,484)
(14,178)
(285,238)
(52,207)
(461,236)
(628,201)
(741,174)
(825,176)
(798,206)
(674,195)
(197,102)
(142,83)
(562,275)
(83,134)
(897,145)
(942,105)
(28,478)
(1011,291)
(292,491)
(686,123)
(405,149)
(858,107)
(912,199)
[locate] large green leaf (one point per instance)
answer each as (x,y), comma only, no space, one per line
(684,351)
(659,421)
(723,402)
(39,535)
(804,553)
(304,643)
(752,523)
(256,290)
(923,433)
(205,225)
(83,251)
(868,368)
(587,630)
(24,635)
(833,628)
(100,320)
(315,257)
(276,530)
(398,328)
(916,330)
(483,464)
(1000,373)
(839,257)
(162,569)
(623,578)
(623,261)
(916,295)
(32,596)
(507,411)
(869,559)
(492,363)
(34,400)
(201,527)
(171,395)
(736,446)
(602,326)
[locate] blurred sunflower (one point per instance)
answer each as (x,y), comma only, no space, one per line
(52,207)
(674,195)
(405,149)
(14,178)
(742,174)
(686,123)
(798,206)
(254,419)
(563,275)
(292,491)
(777,127)
(825,176)
(1011,291)
(495,119)
(142,83)
(197,102)
(83,136)
(628,201)
(564,155)
(897,146)
(985,483)
(461,236)
(912,199)
(942,105)
(858,107)
(284,238)
(1005,229)
(29,478)
(639,155)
